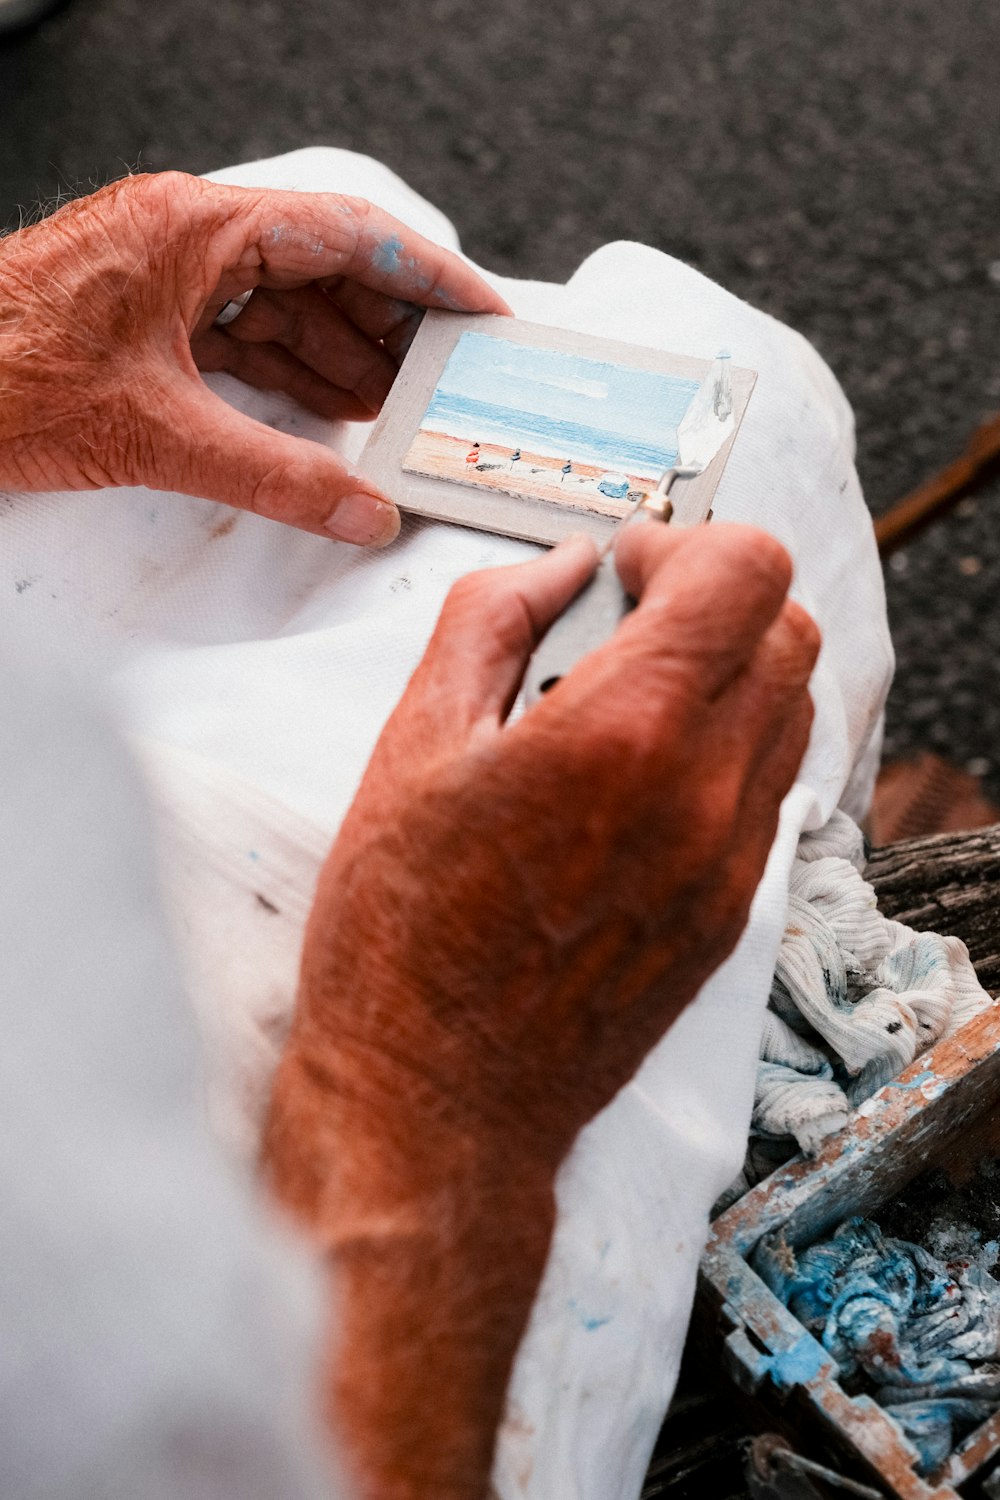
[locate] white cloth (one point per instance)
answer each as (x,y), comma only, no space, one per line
(158,1335)
(854,993)
(257,665)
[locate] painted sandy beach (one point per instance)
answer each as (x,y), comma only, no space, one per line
(534,475)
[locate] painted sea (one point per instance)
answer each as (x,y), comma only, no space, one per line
(485,422)
(544,423)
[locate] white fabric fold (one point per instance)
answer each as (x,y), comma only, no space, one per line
(856,996)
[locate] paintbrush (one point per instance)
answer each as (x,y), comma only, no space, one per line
(592,616)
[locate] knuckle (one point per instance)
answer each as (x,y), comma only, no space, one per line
(769,559)
(804,723)
(646,763)
(158,184)
(606,744)
(261,497)
(641,550)
(471,594)
(804,629)
(351,207)
(484,596)
(488,605)
(789,657)
(711,806)
(786,658)
(756,554)
(160,205)
(152,190)
(735,894)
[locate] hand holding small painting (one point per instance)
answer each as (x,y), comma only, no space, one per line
(116,305)
(592,616)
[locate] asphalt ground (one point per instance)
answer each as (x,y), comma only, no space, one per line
(837,164)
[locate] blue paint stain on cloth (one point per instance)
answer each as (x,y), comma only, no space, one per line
(589,1322)
(921,1333)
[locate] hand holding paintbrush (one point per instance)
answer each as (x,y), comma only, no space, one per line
(592,616)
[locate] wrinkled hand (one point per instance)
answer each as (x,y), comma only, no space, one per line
(511,917)
(107,316)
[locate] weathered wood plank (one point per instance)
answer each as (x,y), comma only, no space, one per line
(949,883)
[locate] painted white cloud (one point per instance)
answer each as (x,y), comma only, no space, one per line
(597,390)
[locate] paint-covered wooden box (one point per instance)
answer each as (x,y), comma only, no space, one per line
(943,1112)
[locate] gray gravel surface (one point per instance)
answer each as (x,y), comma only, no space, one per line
(835,163)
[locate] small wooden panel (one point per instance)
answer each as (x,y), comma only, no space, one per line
(491,510)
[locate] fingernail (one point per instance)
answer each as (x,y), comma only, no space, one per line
(363,519)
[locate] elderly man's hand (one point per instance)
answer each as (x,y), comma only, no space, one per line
(107,314)
(510,918)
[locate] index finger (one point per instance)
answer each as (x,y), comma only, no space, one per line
(706,596)
(315,236)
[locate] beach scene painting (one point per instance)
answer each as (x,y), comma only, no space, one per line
(585,434)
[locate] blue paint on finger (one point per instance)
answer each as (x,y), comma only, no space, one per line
(453,304)
(387,257)
(389,260)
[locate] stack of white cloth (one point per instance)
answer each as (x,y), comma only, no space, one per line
(253,667)
(856,997)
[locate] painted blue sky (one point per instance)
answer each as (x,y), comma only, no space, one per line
(568,387)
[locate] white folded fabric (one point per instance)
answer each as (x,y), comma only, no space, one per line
(256,666)
(856,997)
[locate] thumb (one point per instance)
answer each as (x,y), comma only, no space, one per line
(205,447)
(491,622)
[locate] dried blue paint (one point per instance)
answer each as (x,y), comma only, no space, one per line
(923,1330)
(916,1082)
(930,1426)
(387,256)
(586,1320)
(798,1364)
(388,259)
(445,299)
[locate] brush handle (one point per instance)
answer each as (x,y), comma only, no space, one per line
(586,623)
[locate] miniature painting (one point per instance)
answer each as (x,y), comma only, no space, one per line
(547,424)
(535,432)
